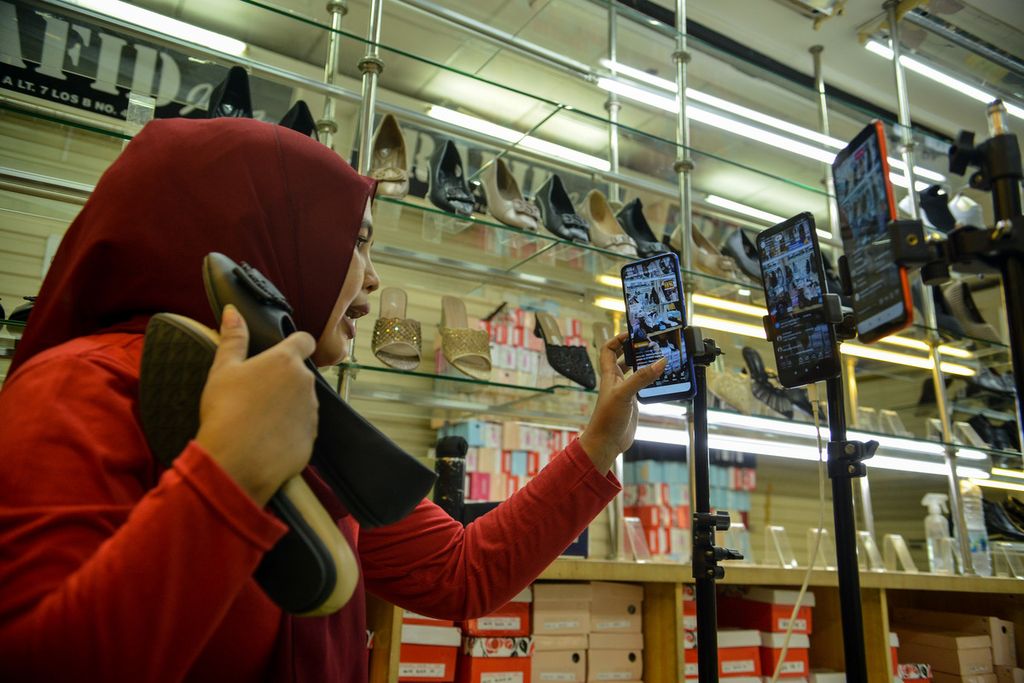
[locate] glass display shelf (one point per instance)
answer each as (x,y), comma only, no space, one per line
(457,396)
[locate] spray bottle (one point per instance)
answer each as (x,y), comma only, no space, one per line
(936,528)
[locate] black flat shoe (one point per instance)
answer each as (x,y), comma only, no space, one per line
(448,189)
(568,361)
(743,251)
(558,214)
(378,482)
(631,218)
(1000,526)
(312,569)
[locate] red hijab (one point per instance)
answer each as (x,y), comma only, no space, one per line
(182,188)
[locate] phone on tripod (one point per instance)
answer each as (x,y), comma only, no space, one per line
(805,344)
(656,316)
(881,289)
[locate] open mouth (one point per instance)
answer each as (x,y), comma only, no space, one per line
(351,315)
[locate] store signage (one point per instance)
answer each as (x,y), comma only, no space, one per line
(59,59)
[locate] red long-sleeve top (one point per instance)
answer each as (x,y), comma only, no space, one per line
(115,569)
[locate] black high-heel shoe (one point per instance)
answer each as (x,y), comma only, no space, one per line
(558,214)
(762,387)
(568,361)
(300,119)
(448,189)
(631,218)
(230,99)
(742,250)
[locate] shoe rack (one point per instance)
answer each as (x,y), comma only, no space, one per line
(622,149)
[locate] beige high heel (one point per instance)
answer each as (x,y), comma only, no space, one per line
(505,201)
(706,256)
(605,231)
(388,165)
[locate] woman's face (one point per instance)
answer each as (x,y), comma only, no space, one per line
(353,299)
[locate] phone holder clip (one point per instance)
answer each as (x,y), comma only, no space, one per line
(707,555)
(846,458)
(702,350)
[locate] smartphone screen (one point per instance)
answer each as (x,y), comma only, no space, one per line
(881,291)
(794,289)
(656,317)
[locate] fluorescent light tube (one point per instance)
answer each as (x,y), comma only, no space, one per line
(513,136)
(911,64)
(726,305)
(610,281)
(713,323)
(993,484)
(610,304)
(999,471)
(164,24)
(670,105)
(919,345)
(729,204)
(755,213)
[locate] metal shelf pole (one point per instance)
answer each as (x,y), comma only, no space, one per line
(327,126)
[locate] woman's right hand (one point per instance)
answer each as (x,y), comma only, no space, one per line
(258,416)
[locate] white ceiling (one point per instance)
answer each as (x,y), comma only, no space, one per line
(578,30)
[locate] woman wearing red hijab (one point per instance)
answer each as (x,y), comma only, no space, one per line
(113,568)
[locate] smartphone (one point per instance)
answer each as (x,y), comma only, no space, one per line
(881,289)
(794,288)
(656,316)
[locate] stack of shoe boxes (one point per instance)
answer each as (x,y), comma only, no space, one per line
(616,641)
(498,647)
(656,490)
(503,456)
(959,648)
(768,611)
(428,649)
(561,625)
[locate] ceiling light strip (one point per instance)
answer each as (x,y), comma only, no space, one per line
(163,24)
(929,72)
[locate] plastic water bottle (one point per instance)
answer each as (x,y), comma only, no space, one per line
(977,535)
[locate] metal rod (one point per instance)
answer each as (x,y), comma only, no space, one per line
(612,104)
(327,126)
(927,303)
(867,509)
(704,586)
(846,545)
(684,164)
(830,185)
(371,65)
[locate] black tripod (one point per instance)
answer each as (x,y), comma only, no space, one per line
(997,249)
(845,463)
(706,555)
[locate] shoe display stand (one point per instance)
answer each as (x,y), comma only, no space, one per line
(57,153)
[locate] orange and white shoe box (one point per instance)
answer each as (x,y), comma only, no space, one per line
(827,677)
(615,657)
(495,659)
(511,619)
(561,609)
(797,664)
(409,617)
(428,653)
(738,654)
(559,658)
(766,609)
(616,607)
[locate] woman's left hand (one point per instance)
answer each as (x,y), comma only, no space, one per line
(612,425)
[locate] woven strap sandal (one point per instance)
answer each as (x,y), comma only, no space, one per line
(312,570)
(397,341)
(568,361)
(467,350)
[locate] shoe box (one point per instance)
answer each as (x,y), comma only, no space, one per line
(948,653)
(739,655)
(1001,632)
(559,658)
(766,609)
(561,609)
(797,663)
(510,620)
(492,659)
(428,652)
(616,607)
(615,656)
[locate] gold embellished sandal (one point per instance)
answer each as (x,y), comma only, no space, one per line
(467,350)
(397,341)
(388,165)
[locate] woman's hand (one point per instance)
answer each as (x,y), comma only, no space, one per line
(258,416)
(613,423)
